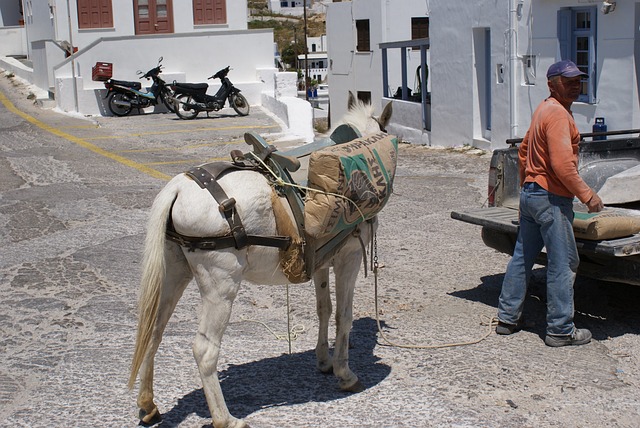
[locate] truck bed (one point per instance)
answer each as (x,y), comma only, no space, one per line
(502,219)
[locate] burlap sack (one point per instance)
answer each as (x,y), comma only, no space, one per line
(604,225)
(361,171)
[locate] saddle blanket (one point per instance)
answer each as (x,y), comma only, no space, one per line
(353,181)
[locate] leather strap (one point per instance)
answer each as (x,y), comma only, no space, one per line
(220,242)
(226,205)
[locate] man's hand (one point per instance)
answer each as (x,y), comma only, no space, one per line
(595,204)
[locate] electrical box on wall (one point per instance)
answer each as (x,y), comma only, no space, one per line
(529,68)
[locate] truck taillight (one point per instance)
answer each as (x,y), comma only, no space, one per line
(491,190)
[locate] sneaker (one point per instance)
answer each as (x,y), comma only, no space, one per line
(505,329)
(580,336)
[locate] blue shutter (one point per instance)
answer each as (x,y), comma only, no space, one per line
(564,33)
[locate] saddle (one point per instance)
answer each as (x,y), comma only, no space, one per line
(315,251)
(134,85)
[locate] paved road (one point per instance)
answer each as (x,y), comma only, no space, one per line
(74,194)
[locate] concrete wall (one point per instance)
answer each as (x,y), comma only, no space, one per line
(462,76)
(389,20)
(14,41)
(454,75)
(189,57)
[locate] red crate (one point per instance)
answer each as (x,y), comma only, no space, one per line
(102,71)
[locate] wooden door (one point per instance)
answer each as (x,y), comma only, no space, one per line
(153,16)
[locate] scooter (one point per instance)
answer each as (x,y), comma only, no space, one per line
(191,98)
(124,95)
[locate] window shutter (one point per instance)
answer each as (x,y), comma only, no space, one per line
(362,30)
(209,12)
(564,33)
(95,14)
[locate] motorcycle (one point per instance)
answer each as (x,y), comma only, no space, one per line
(124,95)
(191,98)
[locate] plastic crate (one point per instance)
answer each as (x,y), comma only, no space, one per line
(102,71)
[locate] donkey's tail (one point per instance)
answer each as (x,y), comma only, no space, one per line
(153,272)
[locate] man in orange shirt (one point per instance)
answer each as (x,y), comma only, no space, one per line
(549,177)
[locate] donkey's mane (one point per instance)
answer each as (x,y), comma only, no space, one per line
(359,115)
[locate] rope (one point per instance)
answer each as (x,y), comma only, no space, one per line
(490,322)
(292,333)
(280,182)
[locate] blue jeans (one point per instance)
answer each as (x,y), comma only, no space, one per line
(545,221)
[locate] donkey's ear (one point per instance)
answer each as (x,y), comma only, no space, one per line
(351,102)
(385,117)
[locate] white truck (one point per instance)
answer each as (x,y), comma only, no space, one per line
(609,163)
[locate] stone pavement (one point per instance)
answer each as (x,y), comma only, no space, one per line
(74,195)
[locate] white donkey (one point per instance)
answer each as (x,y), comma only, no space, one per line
(168,268)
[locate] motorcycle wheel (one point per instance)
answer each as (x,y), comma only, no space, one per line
(116,101)
(239,104)
(182,112)
(167,99)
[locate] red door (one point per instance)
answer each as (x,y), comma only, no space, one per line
(153,16)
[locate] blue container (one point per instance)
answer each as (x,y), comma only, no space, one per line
(599,126)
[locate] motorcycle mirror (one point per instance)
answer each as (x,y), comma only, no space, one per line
(160,60)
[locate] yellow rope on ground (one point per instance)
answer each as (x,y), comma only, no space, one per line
(291,335)
(491,322)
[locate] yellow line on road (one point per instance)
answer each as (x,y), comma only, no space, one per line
(189,147)
(177,131)
(192,162)
(82,143)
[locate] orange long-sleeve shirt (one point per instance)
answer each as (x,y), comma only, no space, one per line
(548,153)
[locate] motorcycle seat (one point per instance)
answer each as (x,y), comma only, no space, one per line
(192,86)
(134,85)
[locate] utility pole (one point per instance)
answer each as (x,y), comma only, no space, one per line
(306,64)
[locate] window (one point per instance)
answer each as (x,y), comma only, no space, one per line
(362,30)
(209,12)
(364,96)
(95,14)
(577,39)
(419,28)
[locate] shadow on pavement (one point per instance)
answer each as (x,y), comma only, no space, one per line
(285,380)
(608,309)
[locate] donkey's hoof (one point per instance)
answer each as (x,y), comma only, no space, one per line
(357,386)
(325,368)
(151,418)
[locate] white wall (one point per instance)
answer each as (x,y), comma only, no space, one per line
(189,57)
(13,41)
(453,74)
(389,20)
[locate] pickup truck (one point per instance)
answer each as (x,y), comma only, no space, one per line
(601,156)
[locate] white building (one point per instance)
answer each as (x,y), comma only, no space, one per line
(487,63)
(355,31)
(296,7)
(195,38)
(316,59)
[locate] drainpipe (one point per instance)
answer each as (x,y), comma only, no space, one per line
(73,59)
(513,64)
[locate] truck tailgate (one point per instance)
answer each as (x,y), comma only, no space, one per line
(504,220)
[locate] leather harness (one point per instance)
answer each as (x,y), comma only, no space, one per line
(315,252)
(207,178)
